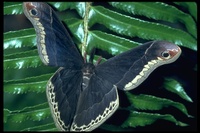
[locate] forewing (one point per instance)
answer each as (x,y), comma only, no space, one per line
(63,90)
(96,104)
(131,68)
(55,45)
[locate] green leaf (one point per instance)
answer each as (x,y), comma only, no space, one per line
(32,84)
(174,86)
(159,11)
(79,6)
(31,108)
(24,62)
(6,113)
(43,77)
(46,127)
(148,102)
(123,25)
(26,87)
(142,119)
(34,113)
(21,54)
(12,8)
(19,39)
(114,44)
(191,6)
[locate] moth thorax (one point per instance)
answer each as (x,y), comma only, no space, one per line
(87,71)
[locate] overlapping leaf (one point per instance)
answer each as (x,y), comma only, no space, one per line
(148,102)
(78,6)
(159,11)
(19,39)
(34,113)
(132,27)
(175,87)
(12,8)
(32,84)
(43,128)
(143,119)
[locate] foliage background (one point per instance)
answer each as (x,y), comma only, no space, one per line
(169,95)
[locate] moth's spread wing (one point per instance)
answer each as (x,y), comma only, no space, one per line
(96,104)
(72,107)
(54,43)
(131,68)
(63,91)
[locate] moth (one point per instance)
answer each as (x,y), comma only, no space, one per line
(82,95)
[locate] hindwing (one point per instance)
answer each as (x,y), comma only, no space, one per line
(63,91)
(96,104)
